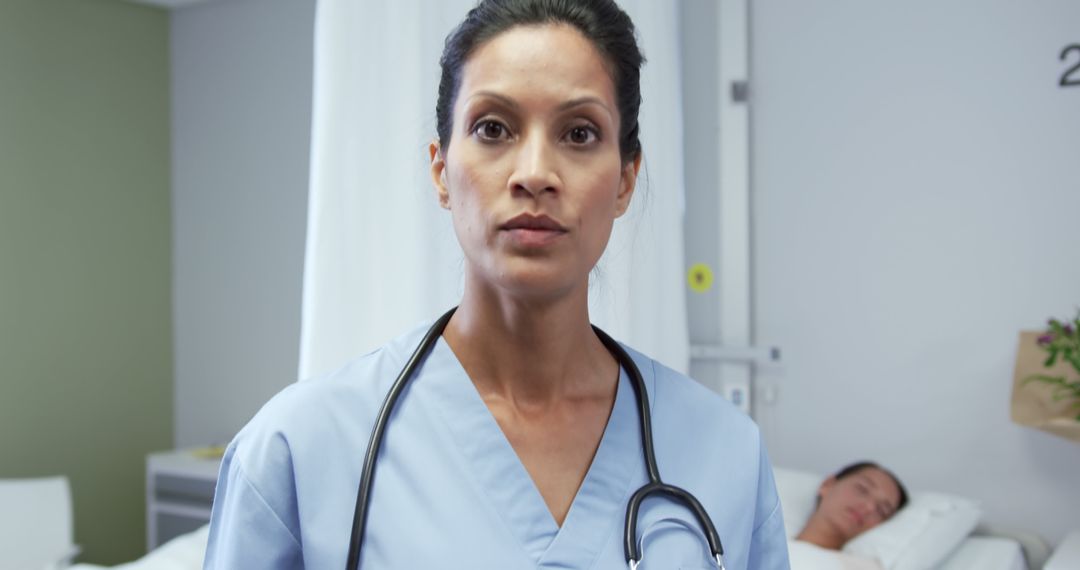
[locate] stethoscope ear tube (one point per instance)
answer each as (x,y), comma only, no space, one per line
(642,398)
(367,475)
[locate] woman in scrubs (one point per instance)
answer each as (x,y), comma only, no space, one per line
(517,444)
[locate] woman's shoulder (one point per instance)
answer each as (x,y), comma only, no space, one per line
(678,398)
(337,402)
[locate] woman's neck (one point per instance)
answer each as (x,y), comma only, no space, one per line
(819,532)
(534,353)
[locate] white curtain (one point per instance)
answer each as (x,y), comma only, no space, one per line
(381,255)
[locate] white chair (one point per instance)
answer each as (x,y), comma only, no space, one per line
(36,528)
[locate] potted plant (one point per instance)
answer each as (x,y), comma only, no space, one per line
(1061,341)
(1046,380)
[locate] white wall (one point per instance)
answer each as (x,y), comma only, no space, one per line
(241,113)
(916,200)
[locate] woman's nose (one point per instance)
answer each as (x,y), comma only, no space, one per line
(535,170)
(869,512)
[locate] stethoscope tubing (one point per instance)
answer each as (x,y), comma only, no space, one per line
(655,486)
(367,475)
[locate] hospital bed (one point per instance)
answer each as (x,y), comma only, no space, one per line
(184,552)
(934,531)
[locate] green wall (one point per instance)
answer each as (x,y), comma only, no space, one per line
(86,383)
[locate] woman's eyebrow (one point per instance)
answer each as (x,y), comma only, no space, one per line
(580,101)
(513,105)
(502,99)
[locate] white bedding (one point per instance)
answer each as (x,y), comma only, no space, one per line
(987,552)
(806,556)
(184,552)
(974,553)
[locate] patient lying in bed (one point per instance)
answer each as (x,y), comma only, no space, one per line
(854,500)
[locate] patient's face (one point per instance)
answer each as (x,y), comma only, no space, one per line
(858,502)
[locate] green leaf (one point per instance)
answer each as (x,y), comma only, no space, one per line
(1040,378)
(1055,325)
(1044,379)
(1075,361)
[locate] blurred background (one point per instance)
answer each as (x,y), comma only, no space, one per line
(913,200)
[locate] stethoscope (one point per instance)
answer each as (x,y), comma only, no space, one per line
(654,486)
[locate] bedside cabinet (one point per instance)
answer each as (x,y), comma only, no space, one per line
(1067,554)
(179,493)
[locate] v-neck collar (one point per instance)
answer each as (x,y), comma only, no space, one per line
(499,473)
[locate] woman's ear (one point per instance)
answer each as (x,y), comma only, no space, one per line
(438,173)
(826,486)
(627,185)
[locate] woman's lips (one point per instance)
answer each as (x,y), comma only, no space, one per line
(533,237)
(532,230)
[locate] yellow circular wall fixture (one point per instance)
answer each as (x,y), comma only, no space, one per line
(700,277)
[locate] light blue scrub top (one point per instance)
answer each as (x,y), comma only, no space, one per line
(450,492)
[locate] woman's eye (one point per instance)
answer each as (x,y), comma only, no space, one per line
(581,135)
(490,130)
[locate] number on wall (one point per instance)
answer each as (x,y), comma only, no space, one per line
(1071,77)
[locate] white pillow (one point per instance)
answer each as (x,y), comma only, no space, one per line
(920,536)
(798,497)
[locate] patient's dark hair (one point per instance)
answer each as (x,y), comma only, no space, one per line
(601,21)
(856,467)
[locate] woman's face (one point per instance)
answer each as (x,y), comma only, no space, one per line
(532,174)
(859,501)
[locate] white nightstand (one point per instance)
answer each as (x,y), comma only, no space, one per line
(179,493)
(1067,554)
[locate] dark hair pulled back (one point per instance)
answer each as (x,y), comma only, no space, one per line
(601,21)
